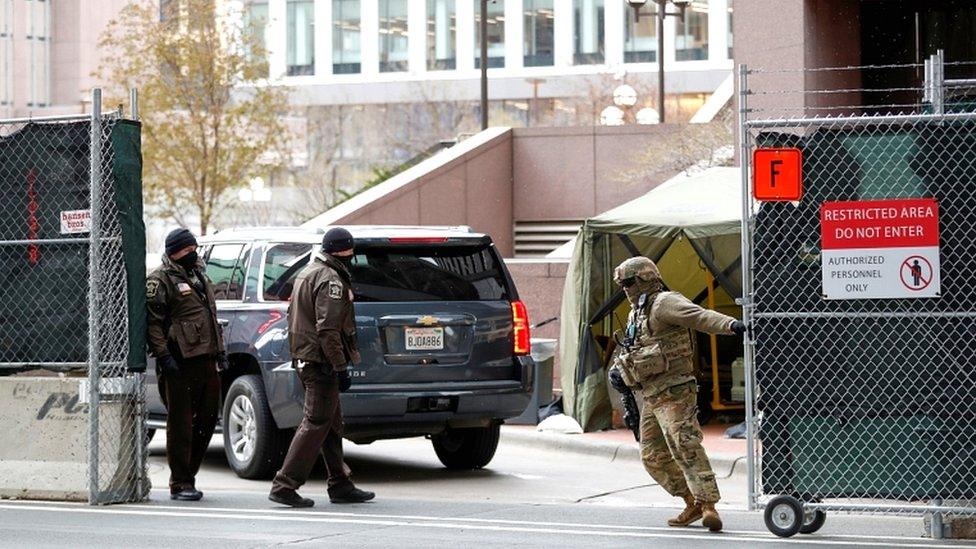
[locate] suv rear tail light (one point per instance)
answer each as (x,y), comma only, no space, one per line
(520,322)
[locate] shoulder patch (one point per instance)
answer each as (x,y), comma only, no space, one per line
(152,288)
(335,290)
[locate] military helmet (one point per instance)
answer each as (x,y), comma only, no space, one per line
(637,267)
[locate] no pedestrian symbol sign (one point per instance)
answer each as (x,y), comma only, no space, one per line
(881,249)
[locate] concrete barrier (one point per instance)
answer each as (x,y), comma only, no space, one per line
(44,453)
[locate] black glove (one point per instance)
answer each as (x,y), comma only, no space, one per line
(222,363)
(738,327)
(345,382)
(167,365)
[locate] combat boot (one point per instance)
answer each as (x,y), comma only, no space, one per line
(692,512)
(711,520)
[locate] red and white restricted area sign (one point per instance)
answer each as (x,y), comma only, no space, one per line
(881,249)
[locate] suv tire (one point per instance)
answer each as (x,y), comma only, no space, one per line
(466,448)
(252,440)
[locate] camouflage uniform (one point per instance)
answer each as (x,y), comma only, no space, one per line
(660,365)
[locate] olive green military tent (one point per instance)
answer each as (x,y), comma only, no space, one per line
(690,225)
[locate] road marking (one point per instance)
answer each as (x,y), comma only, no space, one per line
(450,523)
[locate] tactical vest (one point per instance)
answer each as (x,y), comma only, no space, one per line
(655,361)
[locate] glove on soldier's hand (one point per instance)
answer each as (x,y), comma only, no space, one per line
(345,382)
(739,328)
(167,365)
(222,363)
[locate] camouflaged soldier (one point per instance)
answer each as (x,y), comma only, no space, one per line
(657,361)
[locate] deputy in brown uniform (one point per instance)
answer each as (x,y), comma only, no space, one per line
(658,362)
(186,340)
(322,337)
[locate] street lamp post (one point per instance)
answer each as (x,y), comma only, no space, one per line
(662,6)
(483,25)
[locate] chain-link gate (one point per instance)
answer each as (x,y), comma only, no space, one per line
(861,404)
(71,251)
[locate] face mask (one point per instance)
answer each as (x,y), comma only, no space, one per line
(633,292)
(345,260)
(188,261)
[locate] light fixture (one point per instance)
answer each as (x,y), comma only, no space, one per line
(624,95)
(648,115)
(612,116)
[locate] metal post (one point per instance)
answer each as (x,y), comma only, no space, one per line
(927,82)
(746,300)
(937,85)
(661,7)
(134,103)
(937,531)
(483,25)
(95,177)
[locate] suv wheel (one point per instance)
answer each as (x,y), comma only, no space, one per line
(466,448)
(251,437)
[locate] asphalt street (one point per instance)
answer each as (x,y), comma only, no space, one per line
(527,497)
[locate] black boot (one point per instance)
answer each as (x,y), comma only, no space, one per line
(187,494)
(290,498)
(351,495)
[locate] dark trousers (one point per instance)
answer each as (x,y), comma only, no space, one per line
(192,400)
(320,431)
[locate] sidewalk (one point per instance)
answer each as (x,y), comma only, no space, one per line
(724,453)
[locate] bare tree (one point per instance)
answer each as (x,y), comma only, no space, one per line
(211,121)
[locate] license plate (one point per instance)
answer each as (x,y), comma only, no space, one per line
(424,339)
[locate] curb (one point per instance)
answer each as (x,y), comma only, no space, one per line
(723,464)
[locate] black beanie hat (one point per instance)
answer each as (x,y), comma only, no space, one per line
(337,240)
(178,239)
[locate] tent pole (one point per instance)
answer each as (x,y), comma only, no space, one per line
(713,340)
(717,404)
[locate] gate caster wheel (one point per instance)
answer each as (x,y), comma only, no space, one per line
(813,520)
(784,516)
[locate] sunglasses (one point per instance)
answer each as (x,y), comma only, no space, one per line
(628,282)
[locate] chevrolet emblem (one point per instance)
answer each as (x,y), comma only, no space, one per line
(427,320)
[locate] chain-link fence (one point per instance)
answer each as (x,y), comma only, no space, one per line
(862,390)
(70,241)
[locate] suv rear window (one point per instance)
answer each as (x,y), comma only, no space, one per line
(440,273)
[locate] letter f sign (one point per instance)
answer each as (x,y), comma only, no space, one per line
(777,174)
(773,172)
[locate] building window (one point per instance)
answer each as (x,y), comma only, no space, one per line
(729,36)
(301,37)
(6,52)
(38,35)
(588,32)
(691,35)
(538,33)
(640,34)
(496,34)
(256,19)
(345,37)
(441,35)
(394,49)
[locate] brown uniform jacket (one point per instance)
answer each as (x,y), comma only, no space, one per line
(182,319)
(321,318)
(663,355)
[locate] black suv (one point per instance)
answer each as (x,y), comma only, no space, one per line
(443,337)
